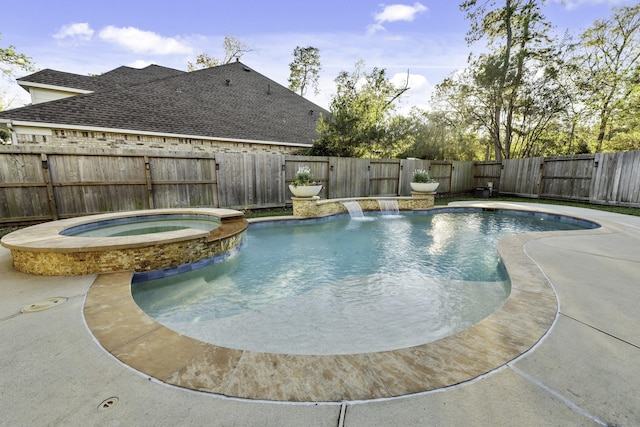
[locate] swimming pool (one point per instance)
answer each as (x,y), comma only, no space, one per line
(339,286)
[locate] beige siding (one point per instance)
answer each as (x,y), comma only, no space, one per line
(89,139)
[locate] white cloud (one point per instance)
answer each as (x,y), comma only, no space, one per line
(420,90)
(417,82)
(374,28)
(140,63)
(79,31)
(429,60)
(140,41)
(399,12)
(393,13)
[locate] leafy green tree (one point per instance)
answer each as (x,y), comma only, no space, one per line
(509,84)
(233,48)
(305,69)
(359,114)
(609,57)
(440,135)
(4,136)
(203,60)
(625,132)
(10,60)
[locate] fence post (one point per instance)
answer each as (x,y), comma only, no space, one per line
(46,172)
(399,186)
(147,174)
(543,166)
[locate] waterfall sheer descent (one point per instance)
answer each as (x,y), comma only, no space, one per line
(354,208)
(389,208)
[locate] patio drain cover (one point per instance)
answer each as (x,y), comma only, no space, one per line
(108,403)
(45,304)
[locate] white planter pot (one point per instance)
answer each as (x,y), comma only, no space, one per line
(424,187)
(305,190)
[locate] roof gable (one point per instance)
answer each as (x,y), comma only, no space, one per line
(62,79)
(128,76)
(118,77)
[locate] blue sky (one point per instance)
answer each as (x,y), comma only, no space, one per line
(424,38)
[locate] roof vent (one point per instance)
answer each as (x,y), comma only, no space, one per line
(228,81)
(248,70)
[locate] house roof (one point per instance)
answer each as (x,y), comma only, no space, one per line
(118,78)
(127,76)
(230,101)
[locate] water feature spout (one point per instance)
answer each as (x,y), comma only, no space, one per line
(389,207)
(354,208)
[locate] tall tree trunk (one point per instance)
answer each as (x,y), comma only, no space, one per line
(602,128)
(497,143)
(605,112)
(501,148)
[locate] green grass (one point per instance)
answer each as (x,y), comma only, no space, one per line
(444,200)
(260,213)
(7,230)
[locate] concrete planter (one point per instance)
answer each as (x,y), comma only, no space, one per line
(424,187)
(305,190)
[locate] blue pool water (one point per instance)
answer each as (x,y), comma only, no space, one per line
(146,224)
(343,286)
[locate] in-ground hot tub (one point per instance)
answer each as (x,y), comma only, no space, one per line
(145,224)
(48,249)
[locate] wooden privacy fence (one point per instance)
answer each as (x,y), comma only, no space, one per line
(38,185)
(602,178)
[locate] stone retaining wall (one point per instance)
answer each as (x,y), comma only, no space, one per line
(309,207)
(41,250)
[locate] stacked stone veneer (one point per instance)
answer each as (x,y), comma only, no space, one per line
(309,207)
(90,139)
(156,256)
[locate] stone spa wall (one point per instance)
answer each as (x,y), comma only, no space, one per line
(40,249)
(309,207)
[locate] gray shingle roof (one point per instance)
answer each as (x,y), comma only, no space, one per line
(119,77)
(228,101)
(127,76)
(62,79)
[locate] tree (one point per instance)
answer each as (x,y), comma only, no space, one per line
(624,134)
(305,69)
(502,80)
(610,60)
(233,48)
(10,60)
(203,60)
(359,114)
(441,135)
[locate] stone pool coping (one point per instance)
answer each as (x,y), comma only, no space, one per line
(41,249)
(135,339)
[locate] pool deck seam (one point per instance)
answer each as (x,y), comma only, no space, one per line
(600,330)
(572,405)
